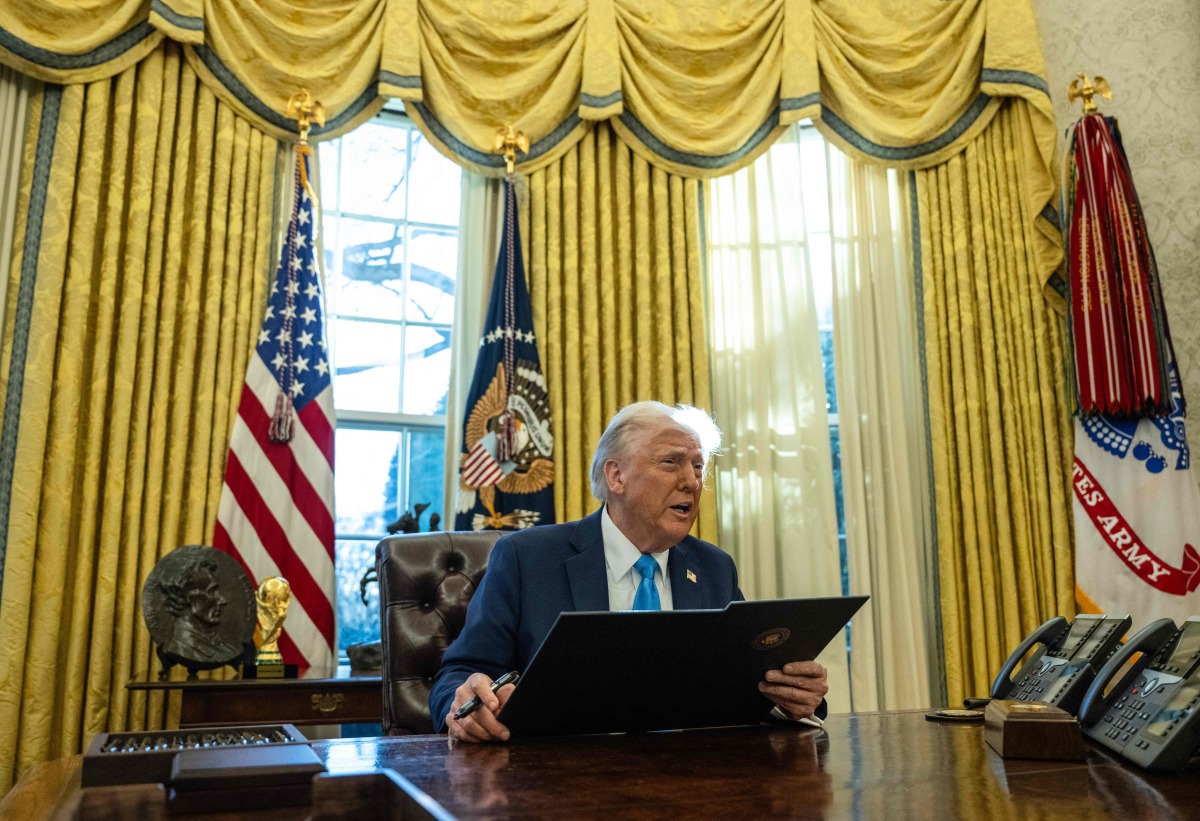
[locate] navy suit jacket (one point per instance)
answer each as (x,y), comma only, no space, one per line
(537,573)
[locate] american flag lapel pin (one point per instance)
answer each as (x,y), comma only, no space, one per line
(691,577)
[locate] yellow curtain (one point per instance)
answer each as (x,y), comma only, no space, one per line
(999,418)
(137,284)
(613,255)
(14,101)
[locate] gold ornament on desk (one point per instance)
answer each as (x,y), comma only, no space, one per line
(272,600)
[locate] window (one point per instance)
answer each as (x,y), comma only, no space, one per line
(390,207)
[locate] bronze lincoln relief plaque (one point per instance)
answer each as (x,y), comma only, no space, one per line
(199,607)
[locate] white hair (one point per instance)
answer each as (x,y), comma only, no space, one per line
(631,419)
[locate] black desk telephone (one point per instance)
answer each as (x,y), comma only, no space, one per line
(1061,670)
(1152,715)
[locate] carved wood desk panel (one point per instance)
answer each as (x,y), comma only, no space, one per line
(316,697)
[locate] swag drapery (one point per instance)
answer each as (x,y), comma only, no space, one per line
(689,89)
(696,87)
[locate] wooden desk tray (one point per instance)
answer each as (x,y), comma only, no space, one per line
(106,762)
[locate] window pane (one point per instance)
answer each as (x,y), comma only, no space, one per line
(328,169)
(356,622)
(436,186)
(812,150)
(367,366)
(434,259)
(328,244)
(826,336)
(426,370)
(390,310)
(370,280)
(835,441)
(373,158)
(820,256)
(426,459)
(366,482)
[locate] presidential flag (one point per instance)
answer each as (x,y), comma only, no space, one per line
(506,477)
(276,511)
(1137,506)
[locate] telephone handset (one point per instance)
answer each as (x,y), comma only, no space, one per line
(1152,716)
(1060,671)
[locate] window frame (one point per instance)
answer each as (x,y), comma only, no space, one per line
(399,423)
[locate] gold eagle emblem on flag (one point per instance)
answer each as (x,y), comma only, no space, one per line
(507,446)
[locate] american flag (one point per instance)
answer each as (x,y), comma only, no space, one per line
(276,512)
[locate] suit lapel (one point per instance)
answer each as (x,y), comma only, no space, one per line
(685,589)
(586,571)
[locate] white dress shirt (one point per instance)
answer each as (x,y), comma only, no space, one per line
(623,578)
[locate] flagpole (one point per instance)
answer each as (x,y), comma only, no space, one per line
(506,466)
(305,110)
(276,514)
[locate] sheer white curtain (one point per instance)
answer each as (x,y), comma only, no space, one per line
(776,505)
(14,95)
(802,240)
(895,660)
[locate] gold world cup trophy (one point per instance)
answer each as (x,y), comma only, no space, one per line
(273,597)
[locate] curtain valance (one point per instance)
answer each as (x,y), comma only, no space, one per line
(254,56)
(696,87)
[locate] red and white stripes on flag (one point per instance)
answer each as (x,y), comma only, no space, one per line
(276,511)
(480,467)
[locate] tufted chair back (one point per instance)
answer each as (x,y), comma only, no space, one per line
(425,583)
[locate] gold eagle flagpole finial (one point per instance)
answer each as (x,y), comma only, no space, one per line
(509,141)
(305,111)
(1087,89)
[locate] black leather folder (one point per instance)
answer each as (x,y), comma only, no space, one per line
(611,672)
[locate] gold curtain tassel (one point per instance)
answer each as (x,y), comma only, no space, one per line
(280,430)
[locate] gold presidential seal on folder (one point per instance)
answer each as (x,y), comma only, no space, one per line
(770,639)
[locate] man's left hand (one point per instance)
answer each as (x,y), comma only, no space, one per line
(797,689)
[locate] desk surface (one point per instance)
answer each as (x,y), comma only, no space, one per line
(873,765)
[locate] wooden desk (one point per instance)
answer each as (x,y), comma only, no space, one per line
(318,696)
(867,766)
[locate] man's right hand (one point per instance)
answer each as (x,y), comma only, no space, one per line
(481,725)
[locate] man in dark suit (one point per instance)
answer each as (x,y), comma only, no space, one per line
(649,470)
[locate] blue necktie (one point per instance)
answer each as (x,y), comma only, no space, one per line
(646,597)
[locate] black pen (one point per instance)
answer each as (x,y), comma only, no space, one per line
(475,703)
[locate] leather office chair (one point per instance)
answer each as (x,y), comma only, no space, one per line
(425,583)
